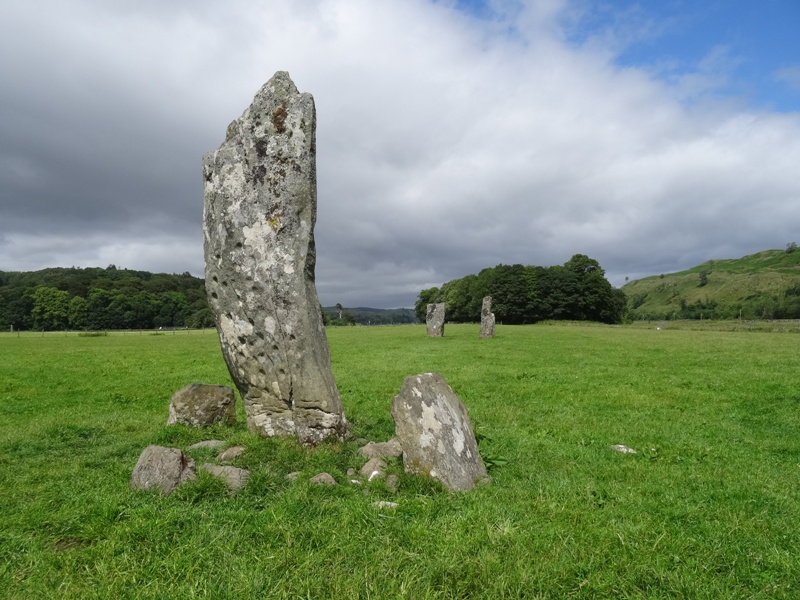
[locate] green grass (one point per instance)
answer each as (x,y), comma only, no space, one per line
(708,508)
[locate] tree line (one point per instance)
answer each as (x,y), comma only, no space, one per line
(97,299)
(576,290)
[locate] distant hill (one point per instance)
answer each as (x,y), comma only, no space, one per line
(765,285)
(364,315)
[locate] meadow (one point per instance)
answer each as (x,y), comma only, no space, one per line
(708,507)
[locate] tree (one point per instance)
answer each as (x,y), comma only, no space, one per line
(425,297)
(50,308)
(791,247)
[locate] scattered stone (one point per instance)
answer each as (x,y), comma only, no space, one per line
(323,479)
(623,448)
(200,404)
(355,481)
(208,444)
(259,214)
(390,449)
(392,482)
(434,429)
(385,504)
(435,320)
(373,469)
(235,478)
(351,471)
(162,468)
(292,476)
(487,319)
(231,453)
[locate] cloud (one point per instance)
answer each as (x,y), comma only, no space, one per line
(446,142)
(790,76)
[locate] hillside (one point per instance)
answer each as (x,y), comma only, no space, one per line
(765,285)
(370,316)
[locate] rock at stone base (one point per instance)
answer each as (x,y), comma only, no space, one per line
(162,468)
(231,453)
(390,449)
(208,444)
(373,469)
(435,320)
(623,449)
(487,319)
(323,479)
(200,404)
(235,478)
(259,212)
(434,429)
(392,482)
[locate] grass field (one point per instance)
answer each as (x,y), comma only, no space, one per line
(709,507)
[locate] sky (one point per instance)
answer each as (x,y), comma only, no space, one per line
(452,135)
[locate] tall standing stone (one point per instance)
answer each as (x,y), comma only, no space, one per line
(435,319)
(487,318)
(259,214)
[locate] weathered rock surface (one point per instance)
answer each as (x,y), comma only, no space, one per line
(208,444)
(373,469)
(200,404)
(234,477)
(323,479)
(162,468)
(390,449)
(487,318)
(434,319)
(435,432)
(231,453)
(259,213)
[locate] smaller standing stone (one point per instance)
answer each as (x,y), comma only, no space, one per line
(162,468)
(435,320)
(487,318)
(200,404)
(435,432)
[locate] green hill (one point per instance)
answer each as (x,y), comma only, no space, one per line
(765,285)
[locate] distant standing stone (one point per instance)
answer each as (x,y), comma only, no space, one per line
(435,319)
(200,404)
(162,468)
(258,224)
(435,432)
(487,318)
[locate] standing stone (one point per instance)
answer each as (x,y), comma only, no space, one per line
(259,214)
(487,318)
(162,468)
(435,432)
(435,320)
(200,404)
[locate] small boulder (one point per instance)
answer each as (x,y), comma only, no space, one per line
(392,482)
(235,478)
(623,449)
(200,404)
(434,429)
(208,444)
(231,453)
(390,449)
(162,468)
(373,469)
(323,479)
